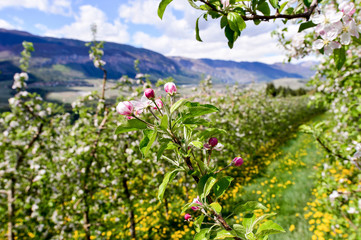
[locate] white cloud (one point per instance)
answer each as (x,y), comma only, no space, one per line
(62,7)
(178,34)
(5,24)
(80,29)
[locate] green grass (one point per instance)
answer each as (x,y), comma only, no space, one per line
(287,185)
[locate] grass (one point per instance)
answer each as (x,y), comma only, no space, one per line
(286,186)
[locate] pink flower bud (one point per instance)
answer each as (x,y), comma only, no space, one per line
(213,141)
(149,93)
(170,88)
(194,208)
(237,161)
(159,103)
(196,201)
(187,217)
(125,108)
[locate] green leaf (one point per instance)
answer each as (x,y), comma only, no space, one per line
(282,6)
(201,184)
(236,22)
(250,222)
(249,207)
(340,57)
(256,21)
(196,110)
(162,6)
(274,3)
(229,33)
(240,230)
(177,105)
(208,186)
(289,10)
(267,228)
(198,37)
(216,207)
(222,185)
(131,125)
(196,121)
(198,223)
(194,5)
(169,176)
(202,234)
(147,141)
(264,8)
(224,22)
(222,234)
(307,2)
(164,122)
(306,25)
(163,147)
(197,144)
(250,236)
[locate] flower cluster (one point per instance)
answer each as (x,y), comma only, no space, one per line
(19,80)
(332,24)
(148,101)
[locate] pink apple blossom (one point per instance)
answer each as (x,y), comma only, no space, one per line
(348,8)
(196,201)
(125,108)
(349,28)
(237,161)
(213,141)
(327,42)
(159,103)
(149,93)
(170,88)
(187,217)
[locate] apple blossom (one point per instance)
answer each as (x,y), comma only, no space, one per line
(213,141)
(170,88)
(125,108)
(237,161)
(348,8)
(149,93)
(159,103)
(187,217)
(196,201)
(327,43)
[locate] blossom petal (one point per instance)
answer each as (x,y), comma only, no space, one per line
(345,38)
(318,44)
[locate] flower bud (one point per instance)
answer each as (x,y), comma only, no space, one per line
(187,217)
(149,93)
(170,88)
(213,141)
(196,201)
(237,161)
(125,108)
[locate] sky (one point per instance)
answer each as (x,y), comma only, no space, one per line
(135,22)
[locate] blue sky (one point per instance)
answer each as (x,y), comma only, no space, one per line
(135,22)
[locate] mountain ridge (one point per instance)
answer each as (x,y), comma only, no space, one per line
(62,59)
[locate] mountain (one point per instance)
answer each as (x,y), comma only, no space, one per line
(61,60)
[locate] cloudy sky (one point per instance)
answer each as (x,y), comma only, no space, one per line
(135,22)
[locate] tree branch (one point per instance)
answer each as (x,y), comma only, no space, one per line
(305,15)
